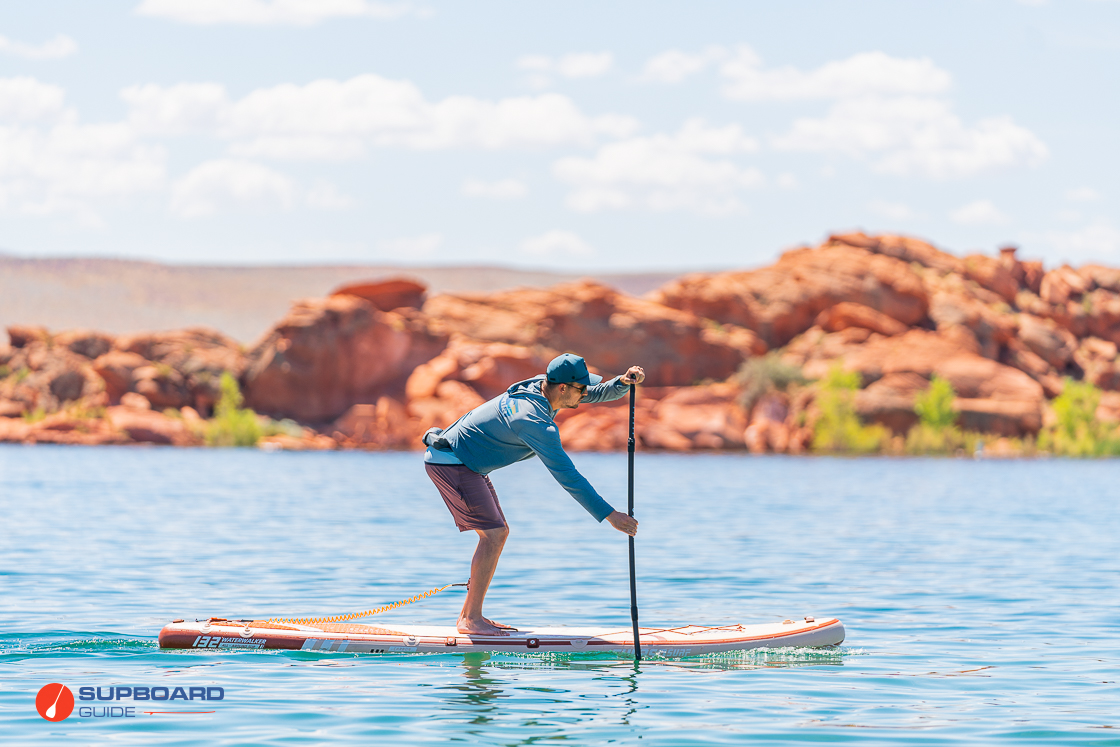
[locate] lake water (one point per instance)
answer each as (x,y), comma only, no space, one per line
(980,598)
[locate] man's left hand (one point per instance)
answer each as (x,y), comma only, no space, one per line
(634,376)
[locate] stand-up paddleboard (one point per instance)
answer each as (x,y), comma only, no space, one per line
(689,640)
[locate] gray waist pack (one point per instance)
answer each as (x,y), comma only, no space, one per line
(434,437)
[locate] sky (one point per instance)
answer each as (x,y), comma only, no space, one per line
(568,136)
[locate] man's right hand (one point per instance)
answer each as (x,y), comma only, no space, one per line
(623,523)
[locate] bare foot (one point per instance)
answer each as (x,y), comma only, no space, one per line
(500,625)
(478,627)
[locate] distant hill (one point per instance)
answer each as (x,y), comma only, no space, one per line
(121,296)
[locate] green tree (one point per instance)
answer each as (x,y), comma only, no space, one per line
(232,425)
(838,427)
(1077,432)
(937,431)
(934,406)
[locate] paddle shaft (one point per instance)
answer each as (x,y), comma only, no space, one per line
(630,511)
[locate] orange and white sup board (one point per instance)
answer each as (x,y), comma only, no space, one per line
(690,640)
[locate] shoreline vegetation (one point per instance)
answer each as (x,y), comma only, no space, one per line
(862,345)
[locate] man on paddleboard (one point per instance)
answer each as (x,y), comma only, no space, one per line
(511,427)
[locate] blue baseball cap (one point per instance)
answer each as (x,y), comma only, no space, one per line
(570,369)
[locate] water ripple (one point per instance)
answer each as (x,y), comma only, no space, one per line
(979,598)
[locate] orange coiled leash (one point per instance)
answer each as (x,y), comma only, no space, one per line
(365,613)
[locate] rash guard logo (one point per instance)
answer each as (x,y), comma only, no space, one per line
(509,407)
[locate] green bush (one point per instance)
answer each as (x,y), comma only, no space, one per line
(232,425)
(838,428)
(1077,432)
(285,427)
(34,416)
(925,439)
(934,406)
(936,431)
(764,374)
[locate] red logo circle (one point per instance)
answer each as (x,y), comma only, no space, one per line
(54,701)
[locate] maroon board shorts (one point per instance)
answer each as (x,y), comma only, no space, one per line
(469,496)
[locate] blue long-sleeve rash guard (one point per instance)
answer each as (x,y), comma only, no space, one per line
(519,424)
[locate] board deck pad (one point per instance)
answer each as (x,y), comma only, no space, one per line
(687,640)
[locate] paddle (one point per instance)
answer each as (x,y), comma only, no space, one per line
(630,504)
(53,710)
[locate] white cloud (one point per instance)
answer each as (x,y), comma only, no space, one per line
(577,65)
(270,12)
(57,48)
(69,167)
(50,164)
(892,210)
(217,184)
(692,169)
(787,181)
(1099,240)
(890,110)
(300,148)
(556,244)
(1083,194)
(864,74)
(978,212)
(330,119)
(915,135)
(28,100)
(326,196)
(503,189)
(176,110)
(412,246)
(674,65)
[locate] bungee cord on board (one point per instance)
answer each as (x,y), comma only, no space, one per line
(365,613)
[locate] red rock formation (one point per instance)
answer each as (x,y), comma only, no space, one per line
(146,426)
(386,295)
(783,300)
(86,343)
(61,428)
(20,336)
(117,369)
(669,418)
(487,367)
(992,274)
(708,416)
(1097,358)
(769,429)
(1047,340)
(384,425)
(905,248)
(188,366)
(450,401)
(978,381)
(890,400)
(845,314)
(309,441)
(330,354)
(380,371)
(611,330)
(42,375)
(1109,408)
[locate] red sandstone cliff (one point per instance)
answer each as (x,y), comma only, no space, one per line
(374,365)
